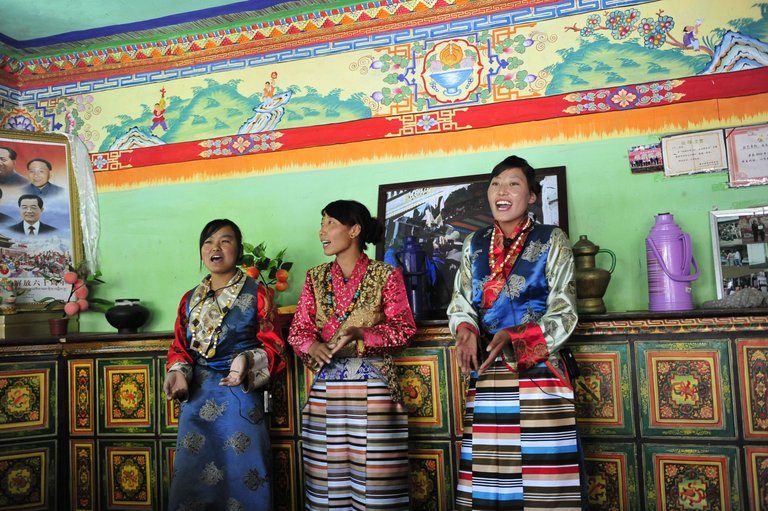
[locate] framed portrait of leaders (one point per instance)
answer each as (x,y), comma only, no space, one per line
(40,235)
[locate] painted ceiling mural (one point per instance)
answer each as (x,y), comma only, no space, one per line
(455,73)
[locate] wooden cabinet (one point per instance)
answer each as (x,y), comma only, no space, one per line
(673,413)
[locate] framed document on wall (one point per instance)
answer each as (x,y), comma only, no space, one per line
(40,235)
(748,155)
(692,153)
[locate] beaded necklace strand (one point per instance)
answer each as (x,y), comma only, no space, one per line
(330,298)
(203,332)
(515,248)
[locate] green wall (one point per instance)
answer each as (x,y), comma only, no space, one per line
(149,241)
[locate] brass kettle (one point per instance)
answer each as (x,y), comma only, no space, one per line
(591,281)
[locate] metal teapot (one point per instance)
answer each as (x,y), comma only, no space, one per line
(591,281)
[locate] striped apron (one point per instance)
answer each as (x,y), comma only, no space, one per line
(355,441)
(520,449)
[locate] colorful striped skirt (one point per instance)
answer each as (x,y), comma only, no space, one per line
(519,450)
(355,442)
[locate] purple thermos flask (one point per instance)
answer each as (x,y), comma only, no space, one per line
(670,257)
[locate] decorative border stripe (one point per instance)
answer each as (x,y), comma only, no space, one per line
(328,27)
(698,88)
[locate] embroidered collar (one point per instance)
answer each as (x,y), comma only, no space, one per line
(207,312)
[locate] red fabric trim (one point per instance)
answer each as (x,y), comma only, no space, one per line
(177,352)
(468,326)
(271,341)
(529,344)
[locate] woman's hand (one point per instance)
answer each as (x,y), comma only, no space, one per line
(349,334)
(500,339)
(466,350)
(320,353)
(236,373)
(175,386)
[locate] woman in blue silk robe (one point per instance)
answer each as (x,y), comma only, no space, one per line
(224,352)
(513,307)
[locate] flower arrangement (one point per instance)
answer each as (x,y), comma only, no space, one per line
(272,271)
(78,300)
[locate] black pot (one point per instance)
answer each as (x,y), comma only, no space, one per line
(127,315)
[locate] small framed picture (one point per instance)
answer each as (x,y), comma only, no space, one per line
(740,249)
(748,155)
(645,158)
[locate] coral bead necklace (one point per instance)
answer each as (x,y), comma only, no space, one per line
(513,246)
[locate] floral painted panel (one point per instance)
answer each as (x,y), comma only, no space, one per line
(127,394)
(685,388)
(28,397)
(603,398)
(129,476)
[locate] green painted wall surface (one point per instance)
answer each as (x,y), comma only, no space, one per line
(149,241)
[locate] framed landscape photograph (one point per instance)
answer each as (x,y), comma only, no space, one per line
(440,213)
(39,223)
(740,249)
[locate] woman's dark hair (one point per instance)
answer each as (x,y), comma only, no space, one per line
(213,226)
(515,162)
(349,213)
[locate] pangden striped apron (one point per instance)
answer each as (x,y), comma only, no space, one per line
(519,449)
(355,441)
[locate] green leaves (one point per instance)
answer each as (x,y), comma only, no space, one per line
(256,256)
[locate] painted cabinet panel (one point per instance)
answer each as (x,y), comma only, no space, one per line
(672,414)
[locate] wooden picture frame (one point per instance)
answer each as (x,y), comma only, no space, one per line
(442,212)
(739,249)
(35,261)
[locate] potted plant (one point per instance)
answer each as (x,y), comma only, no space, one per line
(79,298)
(273,272)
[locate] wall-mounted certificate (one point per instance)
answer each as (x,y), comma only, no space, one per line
(748,155)
(691,153)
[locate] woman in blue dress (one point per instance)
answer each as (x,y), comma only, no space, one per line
(224,353)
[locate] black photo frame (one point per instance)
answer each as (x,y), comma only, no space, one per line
(440,213)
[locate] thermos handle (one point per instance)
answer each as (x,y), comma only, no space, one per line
(688,255)
(679,278)
(613,258)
